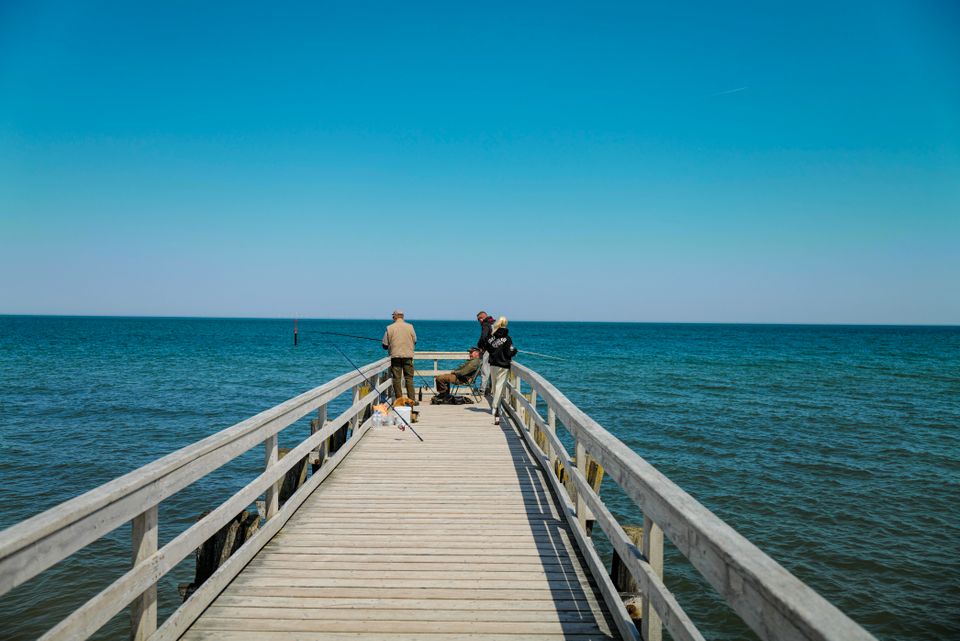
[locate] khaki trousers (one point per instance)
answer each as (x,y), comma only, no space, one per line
(402,368)
(443,382)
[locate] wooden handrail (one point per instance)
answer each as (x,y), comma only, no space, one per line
(28,548)
(440,356)
(436,357)
(769,599)
(677,621)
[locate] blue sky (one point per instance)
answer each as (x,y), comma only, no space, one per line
(703,162)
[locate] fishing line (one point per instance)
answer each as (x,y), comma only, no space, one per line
(424,382)
(374,387)
(375,340)
(556,358)
(363,338)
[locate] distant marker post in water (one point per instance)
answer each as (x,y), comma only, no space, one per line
(294,332)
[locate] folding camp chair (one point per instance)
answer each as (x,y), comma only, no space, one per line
(472,383)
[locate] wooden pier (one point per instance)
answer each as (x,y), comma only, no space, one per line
(377,550)
(477,532)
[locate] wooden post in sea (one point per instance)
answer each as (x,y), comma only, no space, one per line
(294,478)
(624,582)
(217,549)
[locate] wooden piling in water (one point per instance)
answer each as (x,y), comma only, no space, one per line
(622,579)
(218,548)
(294,478)
(593,471)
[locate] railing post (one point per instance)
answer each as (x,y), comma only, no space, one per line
(581,504)
(650,626)
(143,609)
(270,458)
(356,417)
(533,402)
(517,405)
(315,426)
(552,426)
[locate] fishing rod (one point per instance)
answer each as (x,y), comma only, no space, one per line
(374,387)
(363,338)
(376,340)
(556,358)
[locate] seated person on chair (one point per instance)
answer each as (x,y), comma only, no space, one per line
(460,375)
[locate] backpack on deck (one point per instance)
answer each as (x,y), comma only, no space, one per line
(449,399)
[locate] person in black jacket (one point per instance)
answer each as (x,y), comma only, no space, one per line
(486,328)
(500,350)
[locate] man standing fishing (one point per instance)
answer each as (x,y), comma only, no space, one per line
(400,340)
(486,328)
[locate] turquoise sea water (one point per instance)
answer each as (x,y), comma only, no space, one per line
(835,449)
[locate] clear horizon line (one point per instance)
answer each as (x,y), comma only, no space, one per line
(386,319)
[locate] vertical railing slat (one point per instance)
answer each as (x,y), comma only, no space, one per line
(315,426)
(270,458)
(582,466)
(552,426)
(143,609)
(521,410)
(356,397)
(650,626)
(533,403)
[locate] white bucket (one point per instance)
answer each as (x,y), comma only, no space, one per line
(404,413)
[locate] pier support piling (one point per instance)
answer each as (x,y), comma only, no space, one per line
(217,549)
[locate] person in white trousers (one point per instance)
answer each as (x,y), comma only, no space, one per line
(499,347)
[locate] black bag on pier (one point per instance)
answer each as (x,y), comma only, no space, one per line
(449,399)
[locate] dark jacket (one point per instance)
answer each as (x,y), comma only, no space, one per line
(486,328)
(500,348)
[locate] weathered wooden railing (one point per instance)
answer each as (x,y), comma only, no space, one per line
(425,376)
(36,544)
(773,602)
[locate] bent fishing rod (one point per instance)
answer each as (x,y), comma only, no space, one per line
(374,388)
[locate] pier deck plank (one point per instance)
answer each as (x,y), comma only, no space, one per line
(454,538)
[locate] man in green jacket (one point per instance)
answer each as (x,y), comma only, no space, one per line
(460,375)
